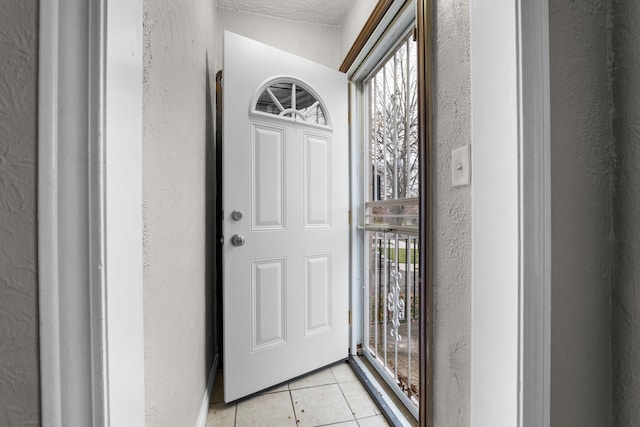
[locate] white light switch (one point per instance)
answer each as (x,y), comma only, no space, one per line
(460,166)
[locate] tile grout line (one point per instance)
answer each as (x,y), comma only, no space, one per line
(295,415)
(312,386)
(347,400)
(337,423)
(348,404)
(332,374)
(291,399)
(345,397)
(235,415)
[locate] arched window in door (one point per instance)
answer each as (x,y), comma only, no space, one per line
(289,98)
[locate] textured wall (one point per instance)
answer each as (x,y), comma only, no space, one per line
(452,221)
(581,206)
(178,52)
(626,294)
(319,43)
(19,362)
(328,12)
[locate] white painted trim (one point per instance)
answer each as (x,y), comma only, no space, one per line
(90,251)
(356,240)
(123,211)
(510,213)
(49,310)
(206,399)
(70,250)
(535,216)
(495,215)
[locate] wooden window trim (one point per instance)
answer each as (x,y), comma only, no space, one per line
(424,27)
(374,19)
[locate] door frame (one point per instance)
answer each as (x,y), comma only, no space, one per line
(511,225)
(90,213)
(113,237)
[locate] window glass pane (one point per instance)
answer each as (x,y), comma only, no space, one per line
(292,100)
(390,215)
(303,98)
(282,92)
(394,126)
(266,104)
(391,220)
(314,114)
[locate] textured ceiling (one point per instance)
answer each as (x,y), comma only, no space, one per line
(327,12)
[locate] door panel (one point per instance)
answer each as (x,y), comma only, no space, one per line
(268,180)
(317,288)
(317,173)
(268,303)
(286,170)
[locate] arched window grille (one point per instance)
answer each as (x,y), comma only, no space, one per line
(291,99)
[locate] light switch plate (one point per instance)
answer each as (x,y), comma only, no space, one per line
(461,166)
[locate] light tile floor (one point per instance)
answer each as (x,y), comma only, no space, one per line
(330,397)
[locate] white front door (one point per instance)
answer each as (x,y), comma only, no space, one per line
(285,180)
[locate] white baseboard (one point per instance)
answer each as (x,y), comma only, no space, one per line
(204,409)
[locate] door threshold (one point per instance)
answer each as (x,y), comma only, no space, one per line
(378,392)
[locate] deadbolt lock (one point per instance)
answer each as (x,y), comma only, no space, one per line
(236,215)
